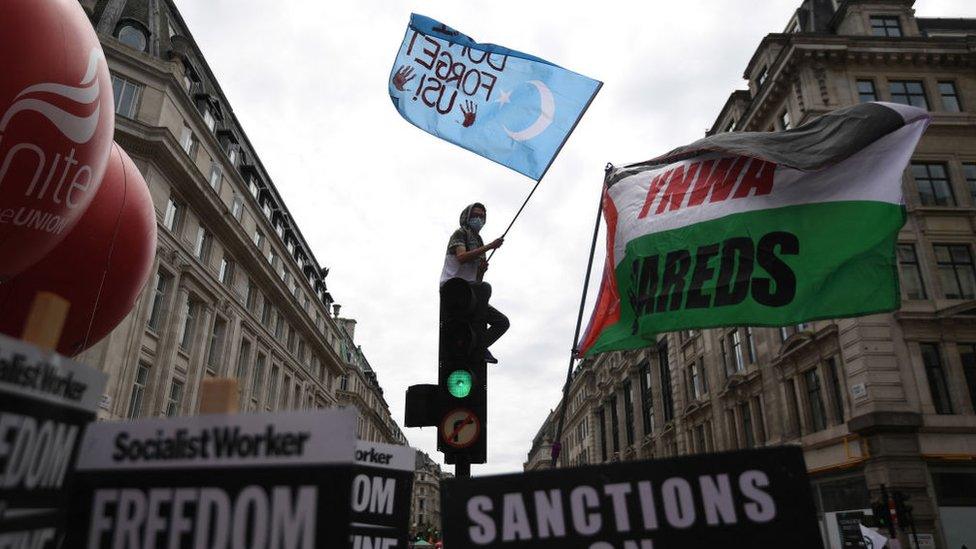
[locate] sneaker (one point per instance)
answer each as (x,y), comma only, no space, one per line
(490,358)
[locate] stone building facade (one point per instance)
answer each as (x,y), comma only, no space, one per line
(425,503)
(885,399)
(236,290)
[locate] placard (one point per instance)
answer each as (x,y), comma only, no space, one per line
(216,481)
(381,490)
(753,498)
(46,401)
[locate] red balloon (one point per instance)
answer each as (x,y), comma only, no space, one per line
(100,267)
(56,125)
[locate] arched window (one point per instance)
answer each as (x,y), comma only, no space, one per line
(133,36)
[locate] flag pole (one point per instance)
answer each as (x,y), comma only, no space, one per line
(557,445)
(516,215)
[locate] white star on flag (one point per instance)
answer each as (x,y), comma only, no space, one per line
(504,97)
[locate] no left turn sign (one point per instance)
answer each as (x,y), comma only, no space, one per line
(460,428)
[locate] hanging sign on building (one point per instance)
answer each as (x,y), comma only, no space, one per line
(753,498)
(381,488)
(46,401)
(246,480)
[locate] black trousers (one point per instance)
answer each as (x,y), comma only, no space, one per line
(498,323)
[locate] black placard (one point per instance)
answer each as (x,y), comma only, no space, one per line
(849,525)
(754,498)
(233,481)
(381,488)
(46,401)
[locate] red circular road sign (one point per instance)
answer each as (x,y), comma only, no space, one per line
(460,428)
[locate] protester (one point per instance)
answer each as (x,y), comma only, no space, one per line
(465,259)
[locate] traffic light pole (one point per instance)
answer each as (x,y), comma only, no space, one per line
(462,469)
(891,518)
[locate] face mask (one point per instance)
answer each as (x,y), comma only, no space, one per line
(476,223)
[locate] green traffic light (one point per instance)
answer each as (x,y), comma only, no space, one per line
(459,383)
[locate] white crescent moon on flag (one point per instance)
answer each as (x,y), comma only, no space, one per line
(547,108)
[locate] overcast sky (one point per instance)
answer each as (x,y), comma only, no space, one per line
(377,198)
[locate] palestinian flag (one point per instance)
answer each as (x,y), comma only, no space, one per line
(756,229)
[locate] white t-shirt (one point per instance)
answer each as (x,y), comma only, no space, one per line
(454,268)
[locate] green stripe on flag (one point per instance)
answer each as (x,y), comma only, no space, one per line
(761,268)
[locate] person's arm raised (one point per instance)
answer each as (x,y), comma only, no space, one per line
(465,256)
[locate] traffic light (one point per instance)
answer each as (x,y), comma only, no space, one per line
(462,372)
(903,509)
(880,509)
(458,404)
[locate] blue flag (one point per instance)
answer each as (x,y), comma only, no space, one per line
(510,107)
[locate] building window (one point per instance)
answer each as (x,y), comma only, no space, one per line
(232,156)
(911,273)
(733,430)
(730,127)
(133,37)
(794,406)
(967,355)
(697,378)
(188,141)
(173,218)
(272,389)
(237,207)
(950,98)
(344,383)
(761,419)
(935,373)
(750,437)
(215,175)
(601,433)
(629,412)
(258,238)
(761,77)
(252,296)
(614,423)
(209,120)
(252,186)
(215,351)
(242,357)
(292,340)
(258,380)
(175,400)
(265,311)
(126,96)
(885,25)
(158,306)
(785,122)
(933,185)
(203,244)
(279,325)
(138,390)
(784,334)
(969,172)
(956,270)
(647,398)
(699,432)
(189,321)
(836,387)
(908,92)
(750,344)
(667,400)
(266,208)
(226,273)
(818,419)
(866,91)
(736,340)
